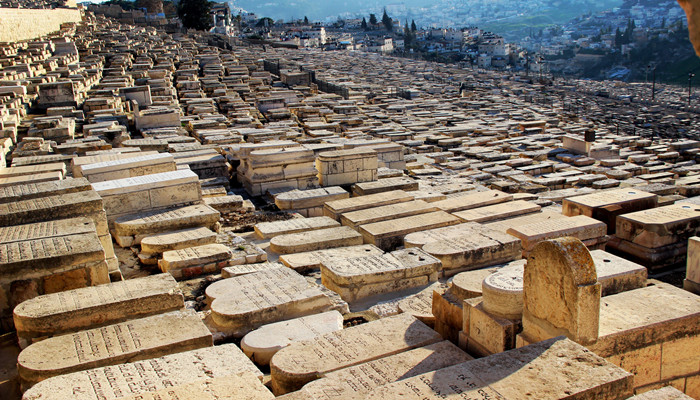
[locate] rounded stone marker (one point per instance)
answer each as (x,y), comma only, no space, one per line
(503,292)
(261,344)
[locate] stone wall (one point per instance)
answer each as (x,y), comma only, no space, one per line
(18,24)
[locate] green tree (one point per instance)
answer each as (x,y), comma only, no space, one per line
(151,6)
(388,23)
(364,24)
(265,22)
(194,14)
(306,20)
(372,19)
(413,26)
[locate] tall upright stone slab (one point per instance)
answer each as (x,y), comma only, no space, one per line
(561,293)
(691,282)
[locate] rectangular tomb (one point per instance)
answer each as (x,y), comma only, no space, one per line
(387,235)
(335,208)
(78,309)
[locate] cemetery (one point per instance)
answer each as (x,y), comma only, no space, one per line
(182,219)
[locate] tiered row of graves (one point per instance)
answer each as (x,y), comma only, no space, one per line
(179,220)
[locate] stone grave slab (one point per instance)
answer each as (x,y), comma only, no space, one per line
(225,204)
(384,185)
(666,393)
(261,344)
(605,206)
(34,170)
(473,247)
(149,192)
(300,199)
(498,211)
(504,225)
(130,230)
(194,261)
(357,278)
(580,227)
(691,282)
(243,386)
(318,239)
(128,167)
(357,381)
(268,230)
(420,305)
(568,302)
(551,369)
(467,285)
(617,274)
(30,191)
(78,309)
(354,219)
(243,303)
(302,362)
(155,245)
(77,162)
(473,200)
(47,265)
(335,208)
(136,378)
(31,179)
(242,269)
(387,235)
(137,339)
(311,260)
(660,226)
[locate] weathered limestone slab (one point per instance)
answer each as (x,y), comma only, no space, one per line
(242,269)
(243,386)
(225,204)
(504,225)
(48,265)
(194,261)
(310,260)
(243,303)
(471,247)
(77,162)
(568,302)
(660,226)
(137,339)
(130,230)
(31,179)
(580,227)
(357,278)
(335,208)
(605,206)
(473,200)
(498,211)
(261,344)
(318,239)
(551,369)
(485,333)
(150,192)
(467,285)
(615,274)
(115,382)
(357,381)
(303,362)
(34,170)
(299,199)
(128,167)
(388,235)
(268,230)
(79,204)
(384,185)
(15,193)
(78,309)
(354,219)
(162,242)
(420,305)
